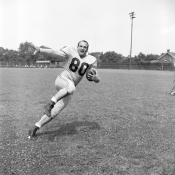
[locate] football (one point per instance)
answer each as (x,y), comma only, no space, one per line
(91,71)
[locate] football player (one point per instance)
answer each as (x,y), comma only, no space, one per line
(77,62)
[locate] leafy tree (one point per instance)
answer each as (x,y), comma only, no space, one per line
(125,60)
(26,53)
(141,57)
(2,50)
(7,56)
(151,57)
(25,48)
(111,57)
(145,59)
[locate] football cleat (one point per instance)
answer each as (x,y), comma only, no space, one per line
(48,108)
(32,132)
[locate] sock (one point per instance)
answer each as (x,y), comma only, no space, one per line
(53,100)
(37,125)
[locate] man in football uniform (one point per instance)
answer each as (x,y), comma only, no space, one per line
(77,62)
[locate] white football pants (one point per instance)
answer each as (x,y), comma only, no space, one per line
(60,83)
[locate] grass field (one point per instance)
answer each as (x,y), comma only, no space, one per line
(125,125)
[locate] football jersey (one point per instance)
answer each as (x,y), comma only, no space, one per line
(75,67)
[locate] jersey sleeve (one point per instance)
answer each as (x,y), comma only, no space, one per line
(66,50)
(54,53)
(94,62)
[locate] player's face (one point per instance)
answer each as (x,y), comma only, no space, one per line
(82,49)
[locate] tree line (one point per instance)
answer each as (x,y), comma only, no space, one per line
(25,54)
(113,57)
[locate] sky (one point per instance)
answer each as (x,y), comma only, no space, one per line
(105,24)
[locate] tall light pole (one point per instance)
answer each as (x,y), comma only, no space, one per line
(131,16)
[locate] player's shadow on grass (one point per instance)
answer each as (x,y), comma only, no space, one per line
(71,129)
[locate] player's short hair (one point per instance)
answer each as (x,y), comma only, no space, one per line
(85,42)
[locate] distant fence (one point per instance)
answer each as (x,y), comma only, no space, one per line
(151,66)
(29,65)
(157,66)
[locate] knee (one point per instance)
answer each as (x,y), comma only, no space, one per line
(71,89)
(54,114)
(57,87)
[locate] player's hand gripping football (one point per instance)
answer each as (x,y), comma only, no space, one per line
(36,48)
(92,75)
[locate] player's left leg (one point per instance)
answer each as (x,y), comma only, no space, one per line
(65,87)
(59,106)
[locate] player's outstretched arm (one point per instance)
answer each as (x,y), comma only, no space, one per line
(54,53)
(50,52)
(36,48)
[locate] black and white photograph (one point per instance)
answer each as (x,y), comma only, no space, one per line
(87,87)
